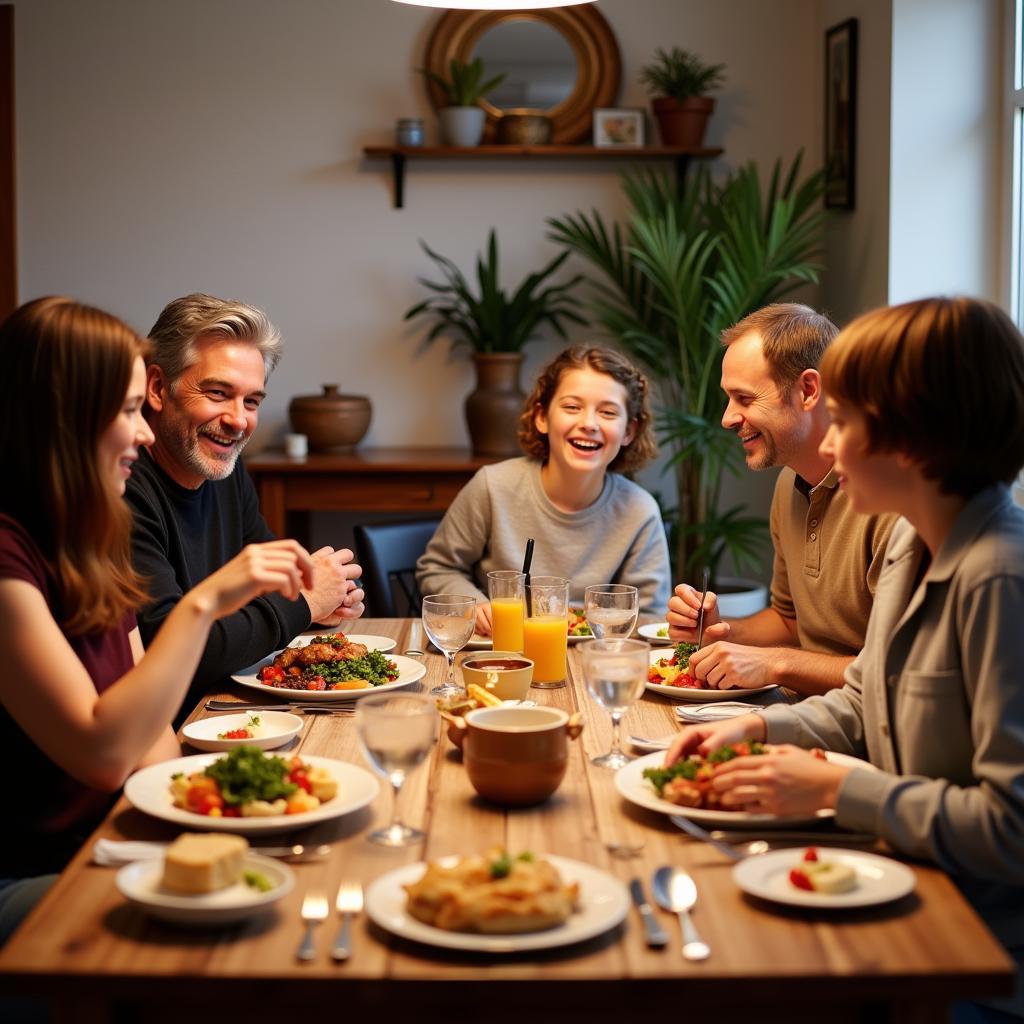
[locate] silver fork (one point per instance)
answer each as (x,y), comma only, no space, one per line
(348,903)
(314,912)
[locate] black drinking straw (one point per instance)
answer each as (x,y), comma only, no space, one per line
(526,570)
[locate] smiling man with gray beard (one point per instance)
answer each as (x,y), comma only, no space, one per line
(194,504)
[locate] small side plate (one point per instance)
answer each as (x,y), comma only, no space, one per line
(276,728)
(879,879)
(139,883)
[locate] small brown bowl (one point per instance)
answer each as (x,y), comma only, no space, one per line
(524,127)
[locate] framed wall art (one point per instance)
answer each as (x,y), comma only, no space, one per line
(619,127)
(841,114)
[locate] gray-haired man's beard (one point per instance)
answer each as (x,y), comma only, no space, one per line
(210,466)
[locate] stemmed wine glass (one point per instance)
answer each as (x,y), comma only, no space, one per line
(611,609)
(449,620)
(616,672)
(397,732)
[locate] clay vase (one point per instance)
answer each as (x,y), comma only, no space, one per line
(493,408)
(683,122)
(334,423)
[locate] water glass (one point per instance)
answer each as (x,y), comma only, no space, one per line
(616,674)
(611,609)
(449,620)
(546,629)
(505,587)
(397,732)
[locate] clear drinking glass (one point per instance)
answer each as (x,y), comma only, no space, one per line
(546,629)
(449,620)
(397,732)
(616,673)
(611,609)
(505,588)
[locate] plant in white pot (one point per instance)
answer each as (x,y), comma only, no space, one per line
(495,326)
(463,119)
(680,82)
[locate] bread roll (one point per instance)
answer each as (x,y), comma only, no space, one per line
(204,863)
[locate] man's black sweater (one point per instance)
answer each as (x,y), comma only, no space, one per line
(180,537)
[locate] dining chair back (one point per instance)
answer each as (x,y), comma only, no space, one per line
(388,553)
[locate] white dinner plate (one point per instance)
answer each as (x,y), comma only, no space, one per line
(650,632)
(139,883)
(408,672)
(631,784)
(879,879)
(694,696)
(276,728)
(149,790)
(603,904)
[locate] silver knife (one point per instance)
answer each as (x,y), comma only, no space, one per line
(791,836)
(656,937)
(224,705)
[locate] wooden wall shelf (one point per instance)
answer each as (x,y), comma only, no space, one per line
(400,154)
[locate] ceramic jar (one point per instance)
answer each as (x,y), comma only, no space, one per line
(517,756)
(334,423)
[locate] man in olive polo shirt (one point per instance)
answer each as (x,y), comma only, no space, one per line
(827,557)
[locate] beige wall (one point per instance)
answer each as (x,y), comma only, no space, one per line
(857,241)
(215,145)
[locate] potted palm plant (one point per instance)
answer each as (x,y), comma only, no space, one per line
(462,119)
(495,326)
(687,264)
(680,81)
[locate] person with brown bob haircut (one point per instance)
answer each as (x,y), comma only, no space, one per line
(587,421)
(80,707)
(927,407)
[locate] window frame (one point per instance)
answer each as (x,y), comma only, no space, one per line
(1014,79)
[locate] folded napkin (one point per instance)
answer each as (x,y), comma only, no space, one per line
(715,712)
(109,853)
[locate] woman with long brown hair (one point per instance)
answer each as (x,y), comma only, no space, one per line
(80,707)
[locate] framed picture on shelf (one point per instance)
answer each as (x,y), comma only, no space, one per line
(618,126)
(840,114)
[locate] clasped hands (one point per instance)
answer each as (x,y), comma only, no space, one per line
(334,596)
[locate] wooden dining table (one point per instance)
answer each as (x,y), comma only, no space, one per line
(94,957)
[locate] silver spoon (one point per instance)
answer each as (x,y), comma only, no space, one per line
(676,892)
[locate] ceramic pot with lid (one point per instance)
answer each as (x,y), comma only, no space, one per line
(334,423)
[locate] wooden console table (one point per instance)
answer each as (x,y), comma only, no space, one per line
(371,480)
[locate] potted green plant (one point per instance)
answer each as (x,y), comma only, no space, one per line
(462,119)
(688,263)
(680,81)
(495,326)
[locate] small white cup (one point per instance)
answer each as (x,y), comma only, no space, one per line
(296,446)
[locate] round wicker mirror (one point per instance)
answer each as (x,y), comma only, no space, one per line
(586,76)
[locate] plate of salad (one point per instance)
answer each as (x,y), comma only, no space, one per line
(346,679)
(248,791)
(668,676)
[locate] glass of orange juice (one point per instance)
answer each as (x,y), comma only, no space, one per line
(508,608)
(546,629)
